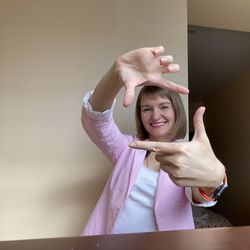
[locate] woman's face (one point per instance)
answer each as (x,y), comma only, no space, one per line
(157,116)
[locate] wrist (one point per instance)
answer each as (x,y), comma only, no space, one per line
(114,74)
(215,178)
(213,194)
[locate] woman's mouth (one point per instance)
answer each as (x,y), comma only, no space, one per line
(157,124)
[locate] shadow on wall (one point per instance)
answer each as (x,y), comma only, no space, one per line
(228,123)
(219,79)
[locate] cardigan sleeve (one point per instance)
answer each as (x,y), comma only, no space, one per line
(188,192)
(103,131)
(95,115)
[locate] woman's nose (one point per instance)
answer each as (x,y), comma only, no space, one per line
(156,114)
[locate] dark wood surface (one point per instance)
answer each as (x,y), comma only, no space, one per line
(228,238)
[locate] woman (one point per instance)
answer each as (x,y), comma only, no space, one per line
(139,196)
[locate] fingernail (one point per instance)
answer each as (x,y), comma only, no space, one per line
(166,59)
(156,51)
(184,90)
(174,67)
(132,144)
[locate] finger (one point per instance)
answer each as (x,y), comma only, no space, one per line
(157,51)
(199,128)
(166,158)
(129,95)
(170,68)
(159,147)
(166,60)
(173,68)
(164,83)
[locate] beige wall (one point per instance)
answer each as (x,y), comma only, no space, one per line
(228,125)
(52,51)
(222,14)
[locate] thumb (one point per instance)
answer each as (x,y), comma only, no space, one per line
(129,95)
(199,128)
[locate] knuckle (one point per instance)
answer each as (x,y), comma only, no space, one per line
(155,148)
(177,174)
(177,181)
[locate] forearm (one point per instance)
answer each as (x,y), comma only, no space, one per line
(106,90)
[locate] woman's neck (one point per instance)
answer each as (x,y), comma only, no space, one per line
(151,163)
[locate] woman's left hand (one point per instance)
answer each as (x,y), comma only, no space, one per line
(146,66)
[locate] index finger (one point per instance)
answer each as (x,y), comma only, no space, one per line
(154,146)
(164,83)
(175,87)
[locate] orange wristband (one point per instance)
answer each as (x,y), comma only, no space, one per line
(217,192)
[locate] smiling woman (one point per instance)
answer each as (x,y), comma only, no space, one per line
(160,111)
(48,50)
(136,199)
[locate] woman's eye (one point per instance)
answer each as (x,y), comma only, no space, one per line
(146,109)
(165,107)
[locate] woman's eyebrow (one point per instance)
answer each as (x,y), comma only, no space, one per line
(167,102)
(145,105)
(162,103)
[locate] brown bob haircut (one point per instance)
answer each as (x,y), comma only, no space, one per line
(179,128)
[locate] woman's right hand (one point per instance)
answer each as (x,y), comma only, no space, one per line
(188,164)
(145,66)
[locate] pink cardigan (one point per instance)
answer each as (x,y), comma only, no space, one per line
(172,208)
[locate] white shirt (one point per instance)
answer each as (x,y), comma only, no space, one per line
(137,214)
